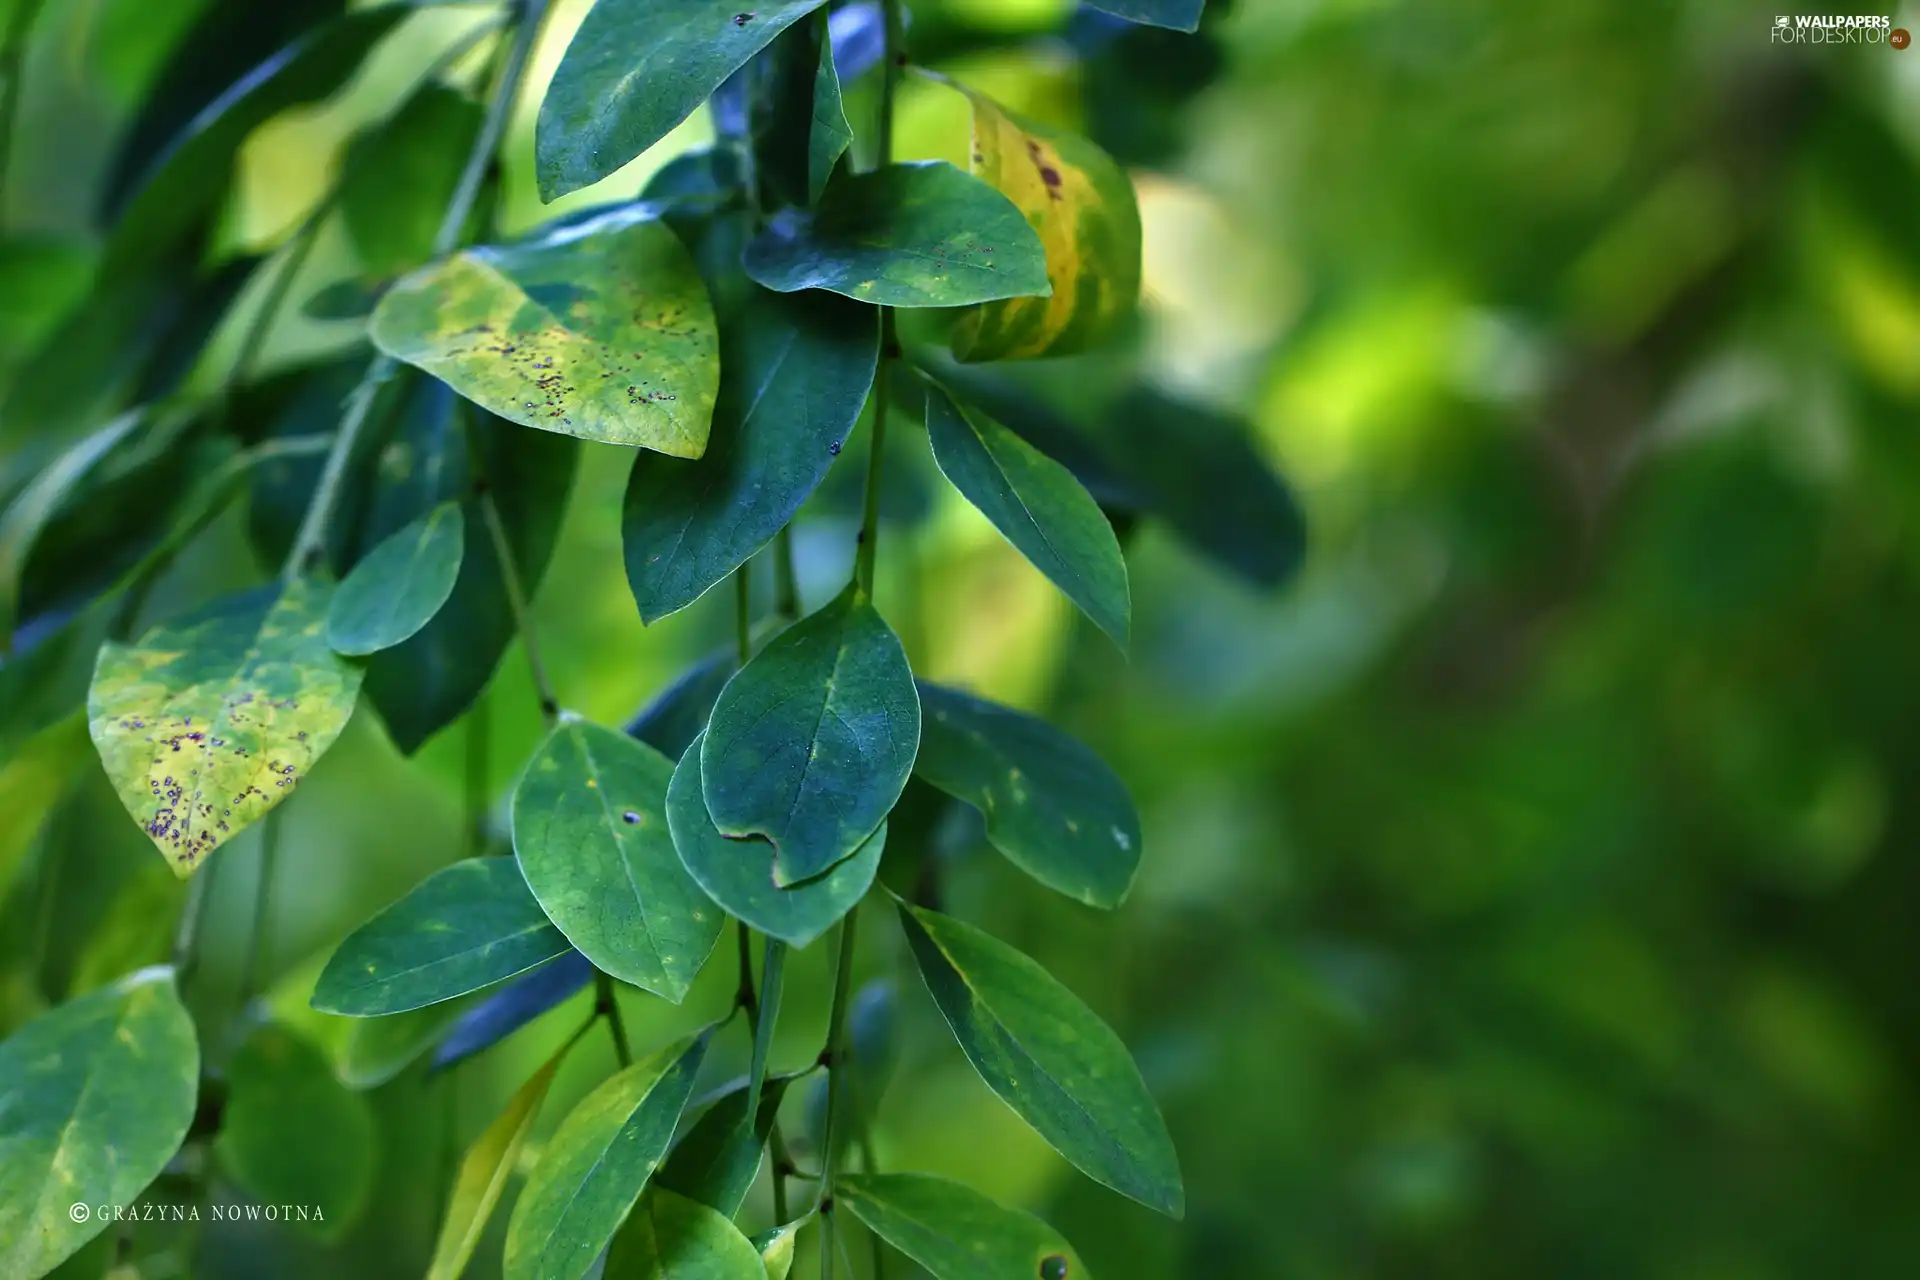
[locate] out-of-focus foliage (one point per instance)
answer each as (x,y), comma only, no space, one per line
(1527,888)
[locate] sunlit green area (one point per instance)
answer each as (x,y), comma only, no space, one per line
(1529,881)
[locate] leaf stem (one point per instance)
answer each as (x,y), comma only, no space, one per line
(786,576)
(836,1081)
(772,982)
(743,613)
(863,562)
(516,590)
(13,56)
(186,937)
(310,543)
(260,932)
(607,1005)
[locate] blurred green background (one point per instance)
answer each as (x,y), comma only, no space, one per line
(1530,884)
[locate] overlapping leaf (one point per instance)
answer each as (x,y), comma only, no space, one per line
(955,1232)
(1049,1057)
(716,1160)
(400,585)
(811,743)
(95,1098)
(799,124)
(1037,504)
(464,927)
(795,374)
(600,330)
(596,1165)
(670,1237)
(483,1175)
(904,235)
(739,874)
(637,68)
(1082,205)
(1051,805)
(207,723)
(590,830)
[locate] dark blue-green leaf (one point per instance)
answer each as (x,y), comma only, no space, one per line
(1049,1057)
(512,1007)
(596,1165)
(637,68)
(590,830)
(400,585)
(1037,504)
(1051,805)
(738,874)
(678,713)
(799,124)
(795,372)
(95,1097)
(812,741)
(464,927)
(905,235)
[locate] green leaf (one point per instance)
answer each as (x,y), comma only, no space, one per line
(955,1232)
(637,68)
(800,127)
(483,1175)
(400,585)
(32,783)
(400,176)
(35,505)
(464,927)
(1178,15)
(1082,205)
(207,723)
(1037,504)
(423,685)
(738,874)
(905,235)
(795,373)
(669,1237)
(776,1248)
(590,830)
(600,330)
(1051,805)
(717,1159)
(192,174)
(97,1095)
(812,741)
(292,1134)
(1048,1057)
(594,1168)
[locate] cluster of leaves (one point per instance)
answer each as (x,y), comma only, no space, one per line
(732,326)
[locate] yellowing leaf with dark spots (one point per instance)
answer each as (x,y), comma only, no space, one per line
(206,723)
(601,330)
(1082,206)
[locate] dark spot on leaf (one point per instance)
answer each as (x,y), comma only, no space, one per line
(742,19)
(630,817)
(834,448)
(1053,1267)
